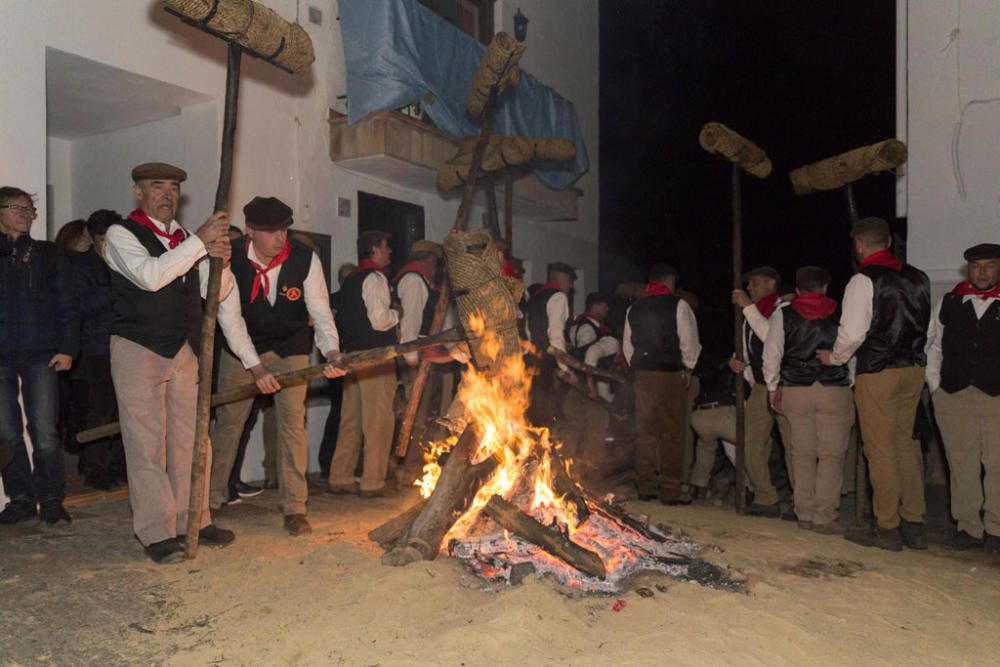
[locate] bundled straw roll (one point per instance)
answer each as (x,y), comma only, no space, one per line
(502,152)
(498,67)
(719,140)
(839,170)
(253,26)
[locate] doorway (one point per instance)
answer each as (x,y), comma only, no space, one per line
(405,221)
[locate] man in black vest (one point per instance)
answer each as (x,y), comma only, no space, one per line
(416,290)
(279,297)
(366,320)
(815,398)
(157,286)
(963,358)
(548,312)
(886,311)
(661,345)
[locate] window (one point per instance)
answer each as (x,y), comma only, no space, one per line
(473,17)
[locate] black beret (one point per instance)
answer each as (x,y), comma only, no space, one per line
(267,214)
(563,267)
(370,239)
(765,271)
(158,171)
(808,276)
(983,251)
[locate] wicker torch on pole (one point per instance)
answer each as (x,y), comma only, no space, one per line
(258,30)
(744,155)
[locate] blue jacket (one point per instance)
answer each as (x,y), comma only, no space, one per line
(37,313)
(91,285)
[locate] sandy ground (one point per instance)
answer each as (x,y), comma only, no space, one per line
(90,597)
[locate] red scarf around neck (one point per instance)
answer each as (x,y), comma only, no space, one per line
(174,239)
(549,285)
(261,283)
(656,289)
(965,288)
(814,306)
(366,264)
(602,328)
(415,267)
(510,270)
(882,258)
(767,305)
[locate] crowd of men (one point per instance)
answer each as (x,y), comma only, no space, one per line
(123,315)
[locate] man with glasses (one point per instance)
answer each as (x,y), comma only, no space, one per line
(38,335)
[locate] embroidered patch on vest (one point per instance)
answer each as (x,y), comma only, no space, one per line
(291,293)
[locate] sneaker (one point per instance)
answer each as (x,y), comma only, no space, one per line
(913,535)
(165,552)
(962,541)
(296,524)
(16,511)
(888,539)
(769,511)
(244,490)
(53,515)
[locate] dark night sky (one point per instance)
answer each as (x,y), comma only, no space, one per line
(804,79)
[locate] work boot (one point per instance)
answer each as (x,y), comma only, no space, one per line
(992,544)
(344,489)
(806,525)
(913,535)
(962,541)
(769,511)
(270,484)
(296,524)
(832,528)
(54,515)
(883,538)
(213,536)
(16,511)
(165,552)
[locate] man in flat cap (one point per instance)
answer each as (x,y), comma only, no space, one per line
(885,313)
(158,280)
(366,319)
(416,288)
(547,314)
(815,398)
(279,290)
(661,345)
(759,302)
(963,358)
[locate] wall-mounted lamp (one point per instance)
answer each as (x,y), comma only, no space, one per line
(520,26)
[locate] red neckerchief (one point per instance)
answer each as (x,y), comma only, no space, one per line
(260,278)
(366,264)
(549,285)
(510,271)
(656,289)
(602,328)
(415,267)
(174,239)
(882,258)
(814,306)
(965,288)
(767,305)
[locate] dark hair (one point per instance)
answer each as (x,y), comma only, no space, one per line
(69,234)
(370,239)
(661,272)
(595,298)
(812,279)
(99,221)
(9,192)
(872,231)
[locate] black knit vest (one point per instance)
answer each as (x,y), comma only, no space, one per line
(284,327)
(538,318)
(901,311)
(799,365)
(160,321)
(755,352)
(970,347)
(657,345)
(356,331)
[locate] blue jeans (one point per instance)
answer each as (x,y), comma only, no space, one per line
(40,391)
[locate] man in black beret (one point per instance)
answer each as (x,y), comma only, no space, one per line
(157,287)
(884,318)
(963,355)
(279,290)
(547,314)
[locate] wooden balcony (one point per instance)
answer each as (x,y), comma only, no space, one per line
(394,148)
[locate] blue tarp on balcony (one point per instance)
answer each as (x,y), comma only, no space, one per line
(397,51)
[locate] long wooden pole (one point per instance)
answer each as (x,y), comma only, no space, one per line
(508,210)
(741,454)
(206,358)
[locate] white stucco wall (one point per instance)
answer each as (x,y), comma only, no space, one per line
(951,98)
(282,146)
(60,177)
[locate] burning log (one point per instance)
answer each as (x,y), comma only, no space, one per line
(577,365)
(456,488)
(389,532)
(553,542)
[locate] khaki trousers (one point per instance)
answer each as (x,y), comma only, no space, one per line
(690,453)
(759,425)
(887,408)
(661,416)
(820,419)
(970,427)
(157,399)
(366,412)
(292,451)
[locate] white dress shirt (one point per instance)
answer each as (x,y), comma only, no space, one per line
(855,318)
(687,332)
(602,347)
(317,299)
(557,311)
(413,294)
(126,255)
(935,331)
(754,320)
(375,294)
